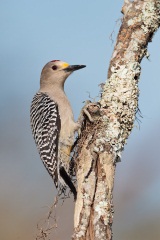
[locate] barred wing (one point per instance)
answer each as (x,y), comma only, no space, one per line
(45,125)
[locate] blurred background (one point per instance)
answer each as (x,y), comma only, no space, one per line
(79,32)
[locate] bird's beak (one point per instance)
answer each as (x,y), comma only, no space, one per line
(72,68)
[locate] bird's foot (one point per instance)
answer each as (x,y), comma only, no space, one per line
(89,110)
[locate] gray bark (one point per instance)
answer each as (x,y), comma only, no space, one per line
(102,141)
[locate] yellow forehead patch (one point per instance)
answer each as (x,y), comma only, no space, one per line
(64,65)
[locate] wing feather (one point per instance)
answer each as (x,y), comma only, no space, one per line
(45,124)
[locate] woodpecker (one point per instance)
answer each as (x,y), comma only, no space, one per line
(52,121)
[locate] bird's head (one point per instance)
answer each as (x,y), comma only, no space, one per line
(56,72)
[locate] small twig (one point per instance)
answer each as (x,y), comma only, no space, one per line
(111,36)
(49,223)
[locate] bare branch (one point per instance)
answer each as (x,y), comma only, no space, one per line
(103,140)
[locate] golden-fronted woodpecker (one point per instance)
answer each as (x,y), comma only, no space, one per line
(52,121)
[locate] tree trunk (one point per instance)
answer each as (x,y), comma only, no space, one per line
(102,141)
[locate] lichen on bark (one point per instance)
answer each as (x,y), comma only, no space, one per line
(102,141)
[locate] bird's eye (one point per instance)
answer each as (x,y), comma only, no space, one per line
(54,67)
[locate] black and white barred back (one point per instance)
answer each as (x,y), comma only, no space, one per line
(46,125)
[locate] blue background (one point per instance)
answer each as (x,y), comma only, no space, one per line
(78,32)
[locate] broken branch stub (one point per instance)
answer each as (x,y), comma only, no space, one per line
(103,140)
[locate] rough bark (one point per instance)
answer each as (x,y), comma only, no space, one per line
(102,141)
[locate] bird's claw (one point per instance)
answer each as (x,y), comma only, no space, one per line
(88,108)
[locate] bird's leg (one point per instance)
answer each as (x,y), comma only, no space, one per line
(88,109)
(84,111)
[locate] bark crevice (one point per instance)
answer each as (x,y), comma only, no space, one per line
(102,141)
